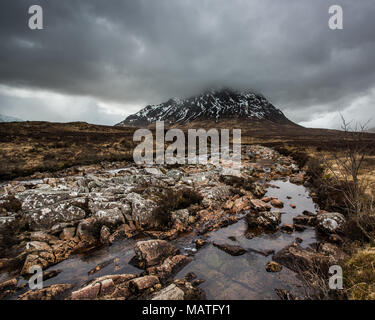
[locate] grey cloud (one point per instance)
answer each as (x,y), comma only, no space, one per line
(146,51)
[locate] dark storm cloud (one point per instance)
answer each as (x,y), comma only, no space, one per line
(136,52)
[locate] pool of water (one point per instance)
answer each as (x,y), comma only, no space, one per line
(245,277)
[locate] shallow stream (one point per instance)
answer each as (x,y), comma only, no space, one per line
(226,276)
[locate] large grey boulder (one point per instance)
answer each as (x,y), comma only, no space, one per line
(330,222)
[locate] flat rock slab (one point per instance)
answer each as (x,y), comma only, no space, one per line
(233,250)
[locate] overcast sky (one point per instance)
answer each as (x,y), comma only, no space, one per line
(98,61)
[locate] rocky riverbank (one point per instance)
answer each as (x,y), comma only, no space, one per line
(48,220)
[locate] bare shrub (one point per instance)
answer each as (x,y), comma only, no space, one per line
(171,200)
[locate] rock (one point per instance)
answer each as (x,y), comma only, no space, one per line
(277,203)
(299,227)
(268,220)
(298,259)
(107,287)
(100,266)
(63,249)
(333,251)
(298,178)
(138,285)
(259,205)
(142,210)
(153,171)
(293,206)
(287,228)
(172,292)
(308,213)
(257,190)
(200,243)
(153,252)
(231,249)
(169,267)
(67,233)
(213,196)
(41,236)
(181,217)
(110,218)
(39,254)
(190,276)
(122,232)
(54,292)
(240,205)
(38,246)
(105,234)
(190,292)
(273,266)
(305,220)
(265,253)
(175,174)
(330,222)
(44,217)
(89,292)
(8,287)
(88,230)
(51,274)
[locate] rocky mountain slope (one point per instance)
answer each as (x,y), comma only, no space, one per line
(216,105)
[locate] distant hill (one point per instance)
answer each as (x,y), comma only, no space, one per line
(4,118)
(212,105)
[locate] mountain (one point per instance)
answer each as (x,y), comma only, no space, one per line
(9,119)
(215,105)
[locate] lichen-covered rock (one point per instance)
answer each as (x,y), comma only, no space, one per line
(142,210)
(214,195)
(110,217)
(44,218)
(268,220)
(330,222)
